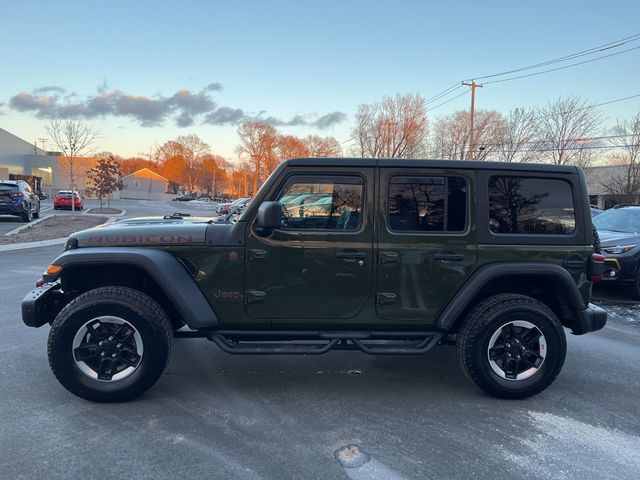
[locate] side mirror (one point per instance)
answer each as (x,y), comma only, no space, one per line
(269,217)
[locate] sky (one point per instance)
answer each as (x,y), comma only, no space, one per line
(145,72)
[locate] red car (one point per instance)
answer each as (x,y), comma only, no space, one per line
(63,200)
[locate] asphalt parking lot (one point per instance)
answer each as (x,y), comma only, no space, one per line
(214,415)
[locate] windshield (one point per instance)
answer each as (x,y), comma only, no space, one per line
(625,220)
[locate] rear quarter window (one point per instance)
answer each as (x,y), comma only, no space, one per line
(530,206)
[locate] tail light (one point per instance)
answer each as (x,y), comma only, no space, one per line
(596,267)
(17,195)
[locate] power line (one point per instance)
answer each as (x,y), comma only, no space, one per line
(445,92)
(466,92)
(563,67)
(600,48)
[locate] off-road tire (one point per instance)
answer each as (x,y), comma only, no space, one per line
(136,308)
(485,319)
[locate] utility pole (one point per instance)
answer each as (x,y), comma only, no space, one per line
(473,86)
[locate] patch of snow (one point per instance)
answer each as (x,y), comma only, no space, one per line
(564,448)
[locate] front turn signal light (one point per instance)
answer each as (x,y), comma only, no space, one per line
(53,269)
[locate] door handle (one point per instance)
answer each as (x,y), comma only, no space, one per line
(351,255)
(448,257)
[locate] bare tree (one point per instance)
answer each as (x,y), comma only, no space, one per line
(624,183)
(518,142)
(396,127)
(290,146)
(451,135)
(323,146)
(194,150)
(74,139)
(565,127)
(258,140)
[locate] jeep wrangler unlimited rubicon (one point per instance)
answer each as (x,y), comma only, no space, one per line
(385,256)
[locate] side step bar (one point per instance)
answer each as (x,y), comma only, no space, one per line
(314,343)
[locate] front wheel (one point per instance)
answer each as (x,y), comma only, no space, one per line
(27,216)
(511,346)
(110,344)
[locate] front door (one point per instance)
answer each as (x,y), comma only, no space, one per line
(427,241)
(319,264)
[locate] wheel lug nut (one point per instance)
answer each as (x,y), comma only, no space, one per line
(508,345)
(114,355)
(110,339)
(509,355)
(100,344)
(119,345)
(523,349)
(102,354)
(518,357)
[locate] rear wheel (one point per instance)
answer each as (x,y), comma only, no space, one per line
(110,344)
(511,346)
(27,216)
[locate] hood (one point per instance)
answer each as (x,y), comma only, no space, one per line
(609,238)
(145,231)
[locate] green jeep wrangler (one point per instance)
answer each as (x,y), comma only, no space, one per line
(385,256)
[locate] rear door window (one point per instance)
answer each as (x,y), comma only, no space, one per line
(427,204)
(531,206)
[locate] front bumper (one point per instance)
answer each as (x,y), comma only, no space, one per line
(590,319)
(39,305)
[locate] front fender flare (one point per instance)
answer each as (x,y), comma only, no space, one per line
(166,270)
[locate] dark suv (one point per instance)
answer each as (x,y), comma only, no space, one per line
(394,257)
(619,231)
(17,198)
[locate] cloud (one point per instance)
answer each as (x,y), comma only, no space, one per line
(330,119)
(214,87)
(225,116)
(54,89)
(184,108)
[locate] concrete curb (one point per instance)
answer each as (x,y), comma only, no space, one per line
(41,243)
(26,226)
(121,214)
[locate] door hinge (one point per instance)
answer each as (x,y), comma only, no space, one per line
(386,298)
(255,296)
(256,254)
(388,257)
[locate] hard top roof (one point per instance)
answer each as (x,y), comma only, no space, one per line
(425,163)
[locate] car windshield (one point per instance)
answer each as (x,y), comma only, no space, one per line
(625,220)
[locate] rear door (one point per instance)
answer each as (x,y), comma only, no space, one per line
(427,241)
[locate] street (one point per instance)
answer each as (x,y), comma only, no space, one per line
(214,415)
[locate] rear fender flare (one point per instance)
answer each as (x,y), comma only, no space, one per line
(486,274)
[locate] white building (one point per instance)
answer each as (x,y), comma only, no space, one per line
(19,157)
(144,184)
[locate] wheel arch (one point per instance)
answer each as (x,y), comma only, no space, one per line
(549,283)
(155,272)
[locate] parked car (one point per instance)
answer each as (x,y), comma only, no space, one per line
(184,198)
(62,200)
(42,195)
(17,198)
(619,231)
(595,211)
(414,254)
(227,208)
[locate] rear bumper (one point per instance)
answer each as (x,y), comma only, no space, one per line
(11,209)
(590,319)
